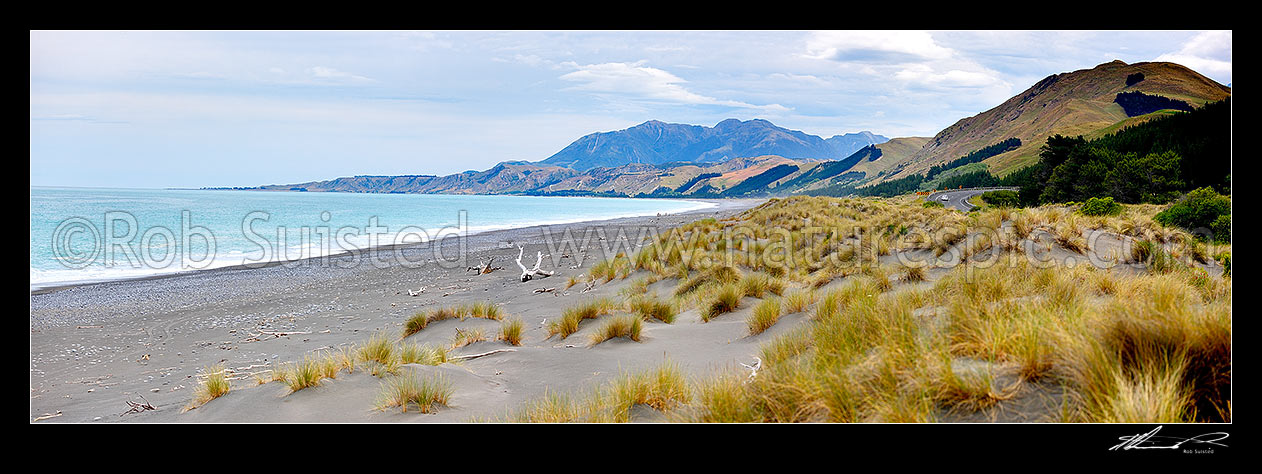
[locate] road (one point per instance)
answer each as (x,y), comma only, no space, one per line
(958,198)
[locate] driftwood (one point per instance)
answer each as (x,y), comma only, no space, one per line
(47,416)
(485,267)
(484,354)
(527,275)
(138,407)
(753,369)
(417,292)
(265,335)
(545,290)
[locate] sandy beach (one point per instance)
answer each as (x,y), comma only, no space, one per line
(96,347)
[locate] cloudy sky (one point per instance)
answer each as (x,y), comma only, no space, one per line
(207,108)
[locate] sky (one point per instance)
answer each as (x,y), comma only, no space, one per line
(156,109)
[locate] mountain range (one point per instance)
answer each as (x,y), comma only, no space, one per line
(756,157)
(658,143)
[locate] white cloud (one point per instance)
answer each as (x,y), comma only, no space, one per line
(1208,53)
(640,81)
(324,72)
(910,65)
(954,78)
(875,46)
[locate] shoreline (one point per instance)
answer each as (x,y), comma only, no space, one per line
(53,287)
(96,347)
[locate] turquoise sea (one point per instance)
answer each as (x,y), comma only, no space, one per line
(99,234)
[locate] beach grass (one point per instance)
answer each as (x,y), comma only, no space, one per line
(650,307)
(626,325)
(765,315)
(511,331)
(214,384)
(411,390)
(725,299)
(570,319)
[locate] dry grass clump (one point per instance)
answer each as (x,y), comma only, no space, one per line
(719,275)
(618,267)
(972,390)
(758,284)
(650,307)
(765,315)
(552,407)
(1158,357)
(913,274)
(214,384)
(511,330)
(1153,347)
(481,309)
(427,355)
(726,299)
(305,374)
(627,325)
(569,321)
(663,389)
(405,391)
(377,349)
(797,301)
(465,337)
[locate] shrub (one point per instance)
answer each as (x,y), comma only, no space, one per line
(1199,209)
(1001,198)
(1100,207)
(1221,229)
(932,204)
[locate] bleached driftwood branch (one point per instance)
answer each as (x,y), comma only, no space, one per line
(485,267)
(528,274)
(484,354)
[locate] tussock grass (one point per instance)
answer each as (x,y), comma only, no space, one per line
(618,267)
(569,321)
(465,337)
(913,274)
(758,284)
(663,388)
(627,325)
(427,355)
(715,275)
(765,315)
(797,301)
(304,374)
(511,330)
(726,299)
(481,309)
(214,384)
(378,349)
(650,307)
(552,407)
(1152,347)
(406,391)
